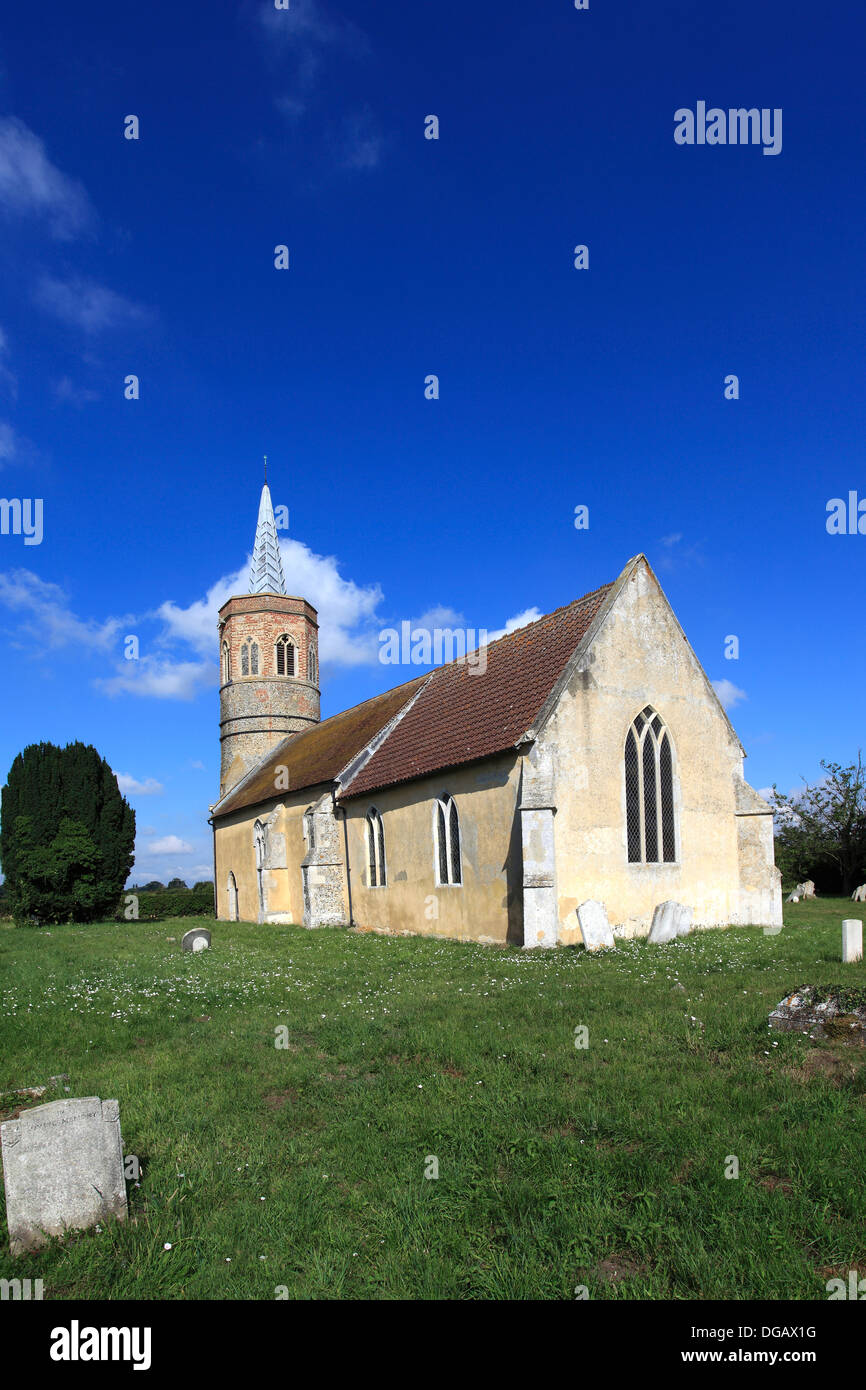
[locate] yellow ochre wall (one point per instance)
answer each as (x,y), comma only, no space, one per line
(235,850)
(487,906)
(640,657)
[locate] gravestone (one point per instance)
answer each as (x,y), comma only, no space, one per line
(852,940)
(62,1169)
(196,940)
(670,920)
(594,926)
(834,1012)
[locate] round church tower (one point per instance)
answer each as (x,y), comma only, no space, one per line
(269,667)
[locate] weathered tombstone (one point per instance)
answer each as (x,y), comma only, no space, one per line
(670,920)
(802,890)
(852,940)
(62,1169)
(821,1013)
(196,940)
(684,919)
(859,894)
(594,926)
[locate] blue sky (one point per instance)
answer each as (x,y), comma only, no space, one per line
(410,257)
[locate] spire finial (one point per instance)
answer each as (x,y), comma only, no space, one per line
(266,470)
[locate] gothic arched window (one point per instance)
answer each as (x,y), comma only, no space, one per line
(649,791)
(250,659)
(376,849)
(311,665)
(284,655)
(449,867)
(227,663)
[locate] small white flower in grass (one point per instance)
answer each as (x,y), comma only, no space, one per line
(167,1245)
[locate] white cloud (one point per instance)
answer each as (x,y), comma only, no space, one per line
(529,615)
(7,378)
(676,554)
(8,442)
(303,43)
(729,694)
(347,611)
(169,844)
(306,26)
(66,391)
(130,786)
(87,305)
(30,185)
(161,678)
(48,617)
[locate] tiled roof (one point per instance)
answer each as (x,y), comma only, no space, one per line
(458,715)
(461,714)
(320,753)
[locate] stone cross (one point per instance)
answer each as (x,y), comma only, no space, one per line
(852,940)
(594,926)
(62,1169)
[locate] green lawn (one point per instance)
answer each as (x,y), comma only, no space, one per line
(304,1166)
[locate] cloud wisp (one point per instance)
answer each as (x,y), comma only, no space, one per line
(87,305)
(31,186)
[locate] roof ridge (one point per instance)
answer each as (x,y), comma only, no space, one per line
(552,614)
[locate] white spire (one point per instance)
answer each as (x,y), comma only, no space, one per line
(266,572)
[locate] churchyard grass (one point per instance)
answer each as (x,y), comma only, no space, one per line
(302,1168)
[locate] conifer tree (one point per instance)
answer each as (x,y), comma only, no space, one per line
(66,835)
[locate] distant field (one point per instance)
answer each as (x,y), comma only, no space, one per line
(303,1168)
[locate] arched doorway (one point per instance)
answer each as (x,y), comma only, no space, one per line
(232,889)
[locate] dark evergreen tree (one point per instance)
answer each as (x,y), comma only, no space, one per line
(177,883)
(66,835)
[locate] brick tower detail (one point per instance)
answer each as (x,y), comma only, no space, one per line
(269,681)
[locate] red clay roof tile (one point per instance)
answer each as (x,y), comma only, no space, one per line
(462,714)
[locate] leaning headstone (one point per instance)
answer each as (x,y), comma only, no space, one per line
(196,940)
(670,920)
(684,919)
(852,940)
(594,926)
(62,1169)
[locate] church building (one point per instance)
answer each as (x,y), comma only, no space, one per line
(587,757)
